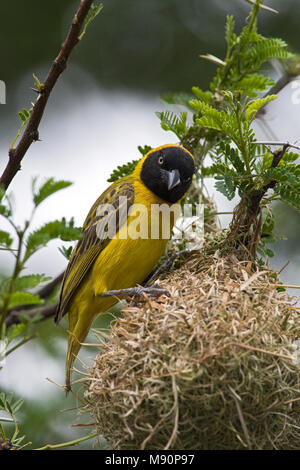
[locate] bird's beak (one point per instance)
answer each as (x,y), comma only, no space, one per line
(173,178)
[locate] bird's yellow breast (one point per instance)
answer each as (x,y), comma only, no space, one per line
(130,257)
(127,260)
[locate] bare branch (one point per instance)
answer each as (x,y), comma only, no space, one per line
(31,130)
(280,144)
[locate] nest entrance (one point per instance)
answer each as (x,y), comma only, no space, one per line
(213,366)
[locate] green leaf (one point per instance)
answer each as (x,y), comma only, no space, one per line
(24,115)
(268,224)
(253,106)
(8,404)
(171,122)
(144,150)
(288,195)
(4,209)
(212,118)
(8,407)
(122,170)
(20,298)
(253,84)
(58,229)
(66,252)
(92,13)
(236,161)
(15,330)
(226,187)
(180,99)
(268,49)
(2,400)
(289,157)
(21,116)
(38,85)
(209,123)
(30,281)
(288,175)
(205,96)
(48,188)
(17,405)
(5,238)
(269,252)
(229,28)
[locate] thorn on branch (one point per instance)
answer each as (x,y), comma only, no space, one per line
(39,92)
(263,7)
(276,143)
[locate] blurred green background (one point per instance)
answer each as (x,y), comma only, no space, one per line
(100,111)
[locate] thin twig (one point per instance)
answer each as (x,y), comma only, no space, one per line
(254,276)
(280,144)
(283,267)
(68,444)
(176,417)
(31,131)
(76,425)
(23,341)
(241,417)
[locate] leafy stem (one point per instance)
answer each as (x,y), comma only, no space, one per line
(68,444)
(253,14)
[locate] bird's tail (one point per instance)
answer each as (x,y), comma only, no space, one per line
(77,334)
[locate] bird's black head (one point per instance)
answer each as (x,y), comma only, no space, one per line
(168,171)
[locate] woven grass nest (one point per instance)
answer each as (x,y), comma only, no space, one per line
(213,366)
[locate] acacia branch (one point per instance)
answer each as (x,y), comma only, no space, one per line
(46,311)
(31,133)
(248,215)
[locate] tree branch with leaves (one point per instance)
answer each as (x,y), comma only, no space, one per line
(222,128)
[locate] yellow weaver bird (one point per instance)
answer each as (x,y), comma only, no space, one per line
(119,258)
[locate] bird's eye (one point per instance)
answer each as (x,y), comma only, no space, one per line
(160,159)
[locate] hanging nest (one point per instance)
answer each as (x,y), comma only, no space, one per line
(213,366)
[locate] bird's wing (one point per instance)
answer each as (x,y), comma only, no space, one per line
(109,211)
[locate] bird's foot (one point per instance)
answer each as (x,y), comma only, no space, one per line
(155,291)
